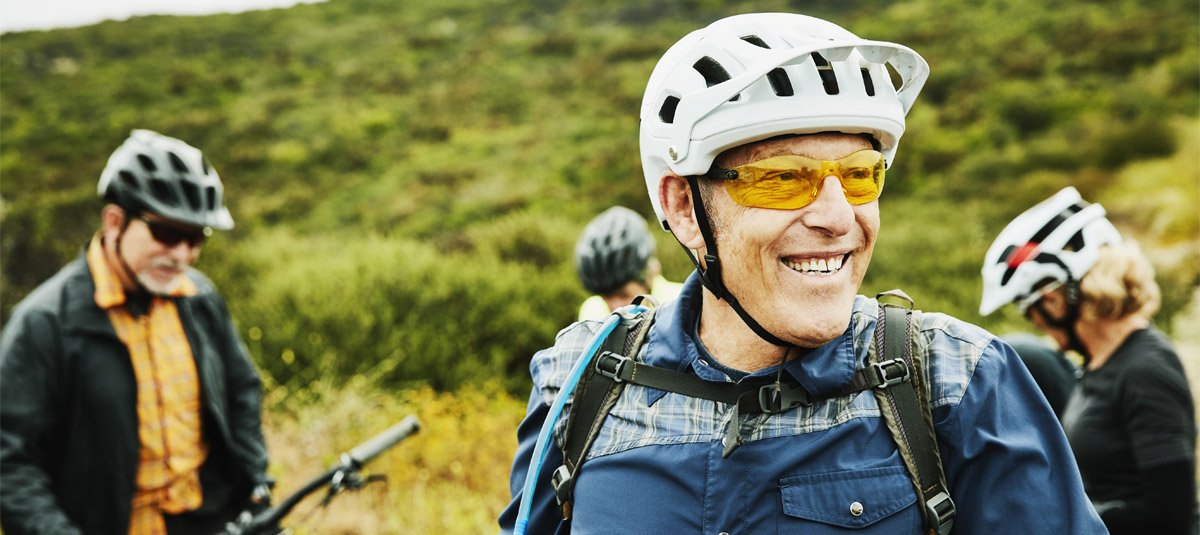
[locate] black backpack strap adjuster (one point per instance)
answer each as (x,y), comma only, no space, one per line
(889,372)
(563,482)
(940,508)
(775,398)
(614,366)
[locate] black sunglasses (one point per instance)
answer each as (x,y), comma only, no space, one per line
(170,236)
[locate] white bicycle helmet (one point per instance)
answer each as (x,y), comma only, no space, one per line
(1056,241)
(750,77)
(165,176)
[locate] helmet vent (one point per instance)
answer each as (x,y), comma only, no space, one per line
(867,82)
(177,163)
(211,197)
(129,180)
(147,163)
(204,166)
(667,111)
(1004,259)
(1075,244)
(192,193)
(780,83)
(712,72)
(1057,220)
(163,192)
(755,40)
(825,70)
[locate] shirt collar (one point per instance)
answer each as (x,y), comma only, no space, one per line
(109,290)
(820,370)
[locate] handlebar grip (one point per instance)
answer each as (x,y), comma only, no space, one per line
(363,453)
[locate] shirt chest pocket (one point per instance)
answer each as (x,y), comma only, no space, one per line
(879,499)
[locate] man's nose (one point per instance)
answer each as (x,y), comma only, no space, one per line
(830,210)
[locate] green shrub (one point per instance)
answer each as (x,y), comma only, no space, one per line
(394,310)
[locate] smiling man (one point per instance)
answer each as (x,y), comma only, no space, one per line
(764,142)
(128,403)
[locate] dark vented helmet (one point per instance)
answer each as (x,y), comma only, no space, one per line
(162,175)
(614,249)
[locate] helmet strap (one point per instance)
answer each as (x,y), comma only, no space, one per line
(1068,322)
(711,277)
(129,216)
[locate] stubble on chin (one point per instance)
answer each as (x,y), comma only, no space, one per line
(824,317)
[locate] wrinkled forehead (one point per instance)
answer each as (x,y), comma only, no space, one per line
(821,146)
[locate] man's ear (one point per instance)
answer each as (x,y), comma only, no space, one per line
(675,198)
(112,218)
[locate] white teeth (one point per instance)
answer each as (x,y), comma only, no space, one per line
(820,265)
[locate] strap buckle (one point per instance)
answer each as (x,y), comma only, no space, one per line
(899,372)
(563,482)
(940,508)
(612,365)
(775,398)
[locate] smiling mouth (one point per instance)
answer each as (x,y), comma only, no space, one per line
(817,265)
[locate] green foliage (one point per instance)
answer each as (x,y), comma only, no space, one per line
(408,182)
(398,311)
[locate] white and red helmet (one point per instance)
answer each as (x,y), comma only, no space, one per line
(751,77)
(1057,240)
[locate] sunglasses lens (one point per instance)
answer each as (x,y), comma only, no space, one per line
(862,176)
(171,236)
(790,182)
(765,187)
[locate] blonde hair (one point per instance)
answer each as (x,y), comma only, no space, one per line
(1120,284)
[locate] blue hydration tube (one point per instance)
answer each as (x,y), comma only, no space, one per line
(541,449)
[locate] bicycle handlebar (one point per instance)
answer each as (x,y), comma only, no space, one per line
(365,452)
(350,461)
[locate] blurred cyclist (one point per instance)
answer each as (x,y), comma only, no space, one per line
(1131,422)
(614,258)
(128,403)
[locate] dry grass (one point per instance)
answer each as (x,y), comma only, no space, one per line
(452,477)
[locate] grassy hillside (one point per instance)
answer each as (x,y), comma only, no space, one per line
(408,182)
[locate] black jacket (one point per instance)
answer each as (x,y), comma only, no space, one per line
(68,410)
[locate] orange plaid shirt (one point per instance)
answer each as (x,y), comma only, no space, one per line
(168,399)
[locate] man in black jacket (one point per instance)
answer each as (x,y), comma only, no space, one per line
(128,404)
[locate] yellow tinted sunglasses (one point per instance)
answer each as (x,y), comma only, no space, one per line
(789,182)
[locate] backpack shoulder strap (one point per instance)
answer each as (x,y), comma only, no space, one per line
(595,395)
(906,409)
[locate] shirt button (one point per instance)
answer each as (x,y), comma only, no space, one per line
(856,509)
(723,533)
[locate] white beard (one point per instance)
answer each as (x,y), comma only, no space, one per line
(161,290)
(157,288)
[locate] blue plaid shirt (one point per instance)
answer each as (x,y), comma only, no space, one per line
(657,467)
